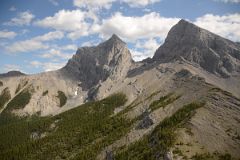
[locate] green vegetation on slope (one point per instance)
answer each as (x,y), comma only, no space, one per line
(18,102)
(213,156)
(20,86)
(62,98)
(4,97)
(163,101)
(163,137)
(80,133)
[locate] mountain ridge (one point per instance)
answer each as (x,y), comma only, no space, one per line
(11,74)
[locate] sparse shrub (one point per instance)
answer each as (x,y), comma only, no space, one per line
(204,156)
(225,157)
(62,98)
(4,97)
(45,93)
(1,83)
(20,100)
(20,86)
(163,101)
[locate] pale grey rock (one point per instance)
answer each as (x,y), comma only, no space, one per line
(168,156)
(194,44)
(146,121)
(92,65)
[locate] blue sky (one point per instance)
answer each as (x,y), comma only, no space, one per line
(41,35)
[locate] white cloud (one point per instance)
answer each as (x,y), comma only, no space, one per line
(228,1)
(11,67)
(7,34)
(90,43)
(93,4)
(74,22)
(50,36)
(23,18)
(140,3)
(47,66)
(13,8)
(65,20)
(99,4)
(145,48)
(68,47)
(35,43)
(26,46)
(137,55)
(76,34)
(133,28)
(227,26)
(54,53)
(54,2)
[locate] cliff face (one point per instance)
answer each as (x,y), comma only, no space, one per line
(194,44)
(91,65)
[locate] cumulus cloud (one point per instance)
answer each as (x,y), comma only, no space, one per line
(11,67)
(140,3)
(25,46)
(99,4)
(65,20)
(145,48)
(35,43)
(50,36)
(69,47)
(47,66)
(23,18)
(228,1)
(133,28)
(227,26)
(54,53)
(93,4)
(74,22)
(7,34)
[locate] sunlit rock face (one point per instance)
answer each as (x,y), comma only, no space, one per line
(194,44)
(91,65)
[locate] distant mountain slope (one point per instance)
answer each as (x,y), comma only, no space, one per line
(11,74)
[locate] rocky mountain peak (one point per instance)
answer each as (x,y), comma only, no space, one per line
(196,45)
(115,39)
(91,65)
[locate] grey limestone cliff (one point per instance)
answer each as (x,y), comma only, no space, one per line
(192,43)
